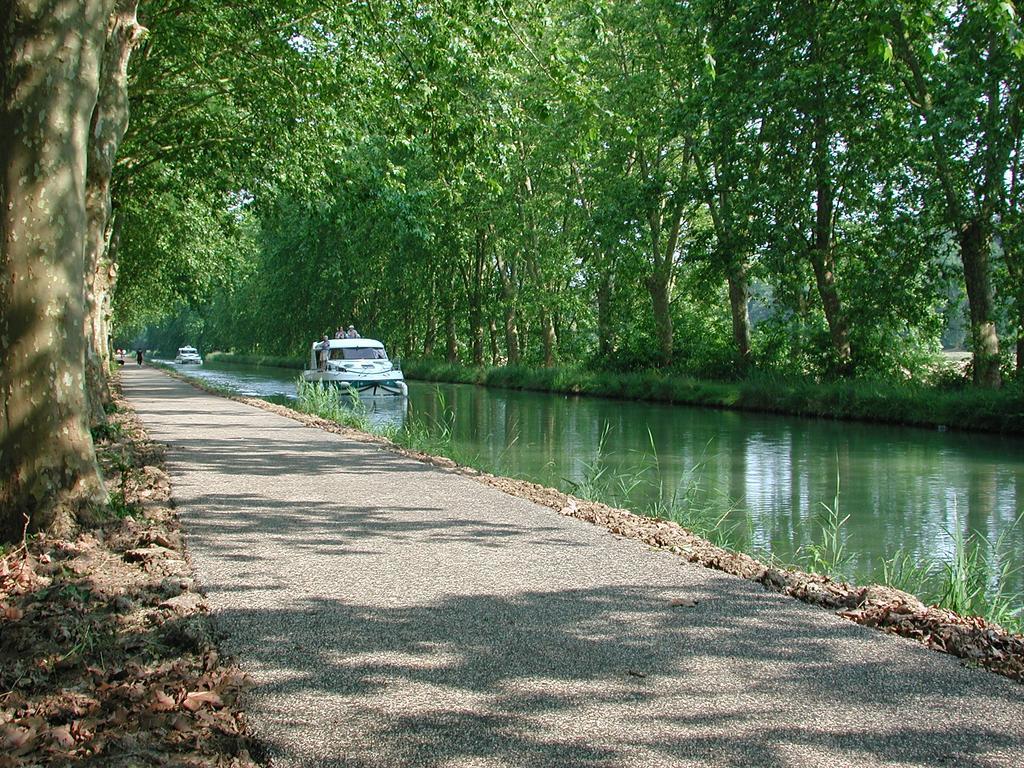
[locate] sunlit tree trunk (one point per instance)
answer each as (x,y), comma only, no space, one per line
(451,339)
(107,129)
(549,337)
(492,335)
(739,298)
(975,244)
(507,277)
(661,279)
(604,316)
(50,78)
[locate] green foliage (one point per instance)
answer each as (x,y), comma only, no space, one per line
(501,184)
(106,432)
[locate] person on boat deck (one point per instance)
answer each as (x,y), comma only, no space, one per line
(352,333)
(325,352)
(340,333)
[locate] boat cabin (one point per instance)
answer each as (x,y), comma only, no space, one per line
(347,349)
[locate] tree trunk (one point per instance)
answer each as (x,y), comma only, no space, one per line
(739,296)
(107,129)
(824,276)
(821,255)
(664,238)
(507,275)
(492,329)
(1020,341)
(48,472)
(430,337)
(452,341)
(476,331)
(659,285)
(604,317)
(975,242)
(549,338)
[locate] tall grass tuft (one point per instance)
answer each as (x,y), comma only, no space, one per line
(974,581)
(330,402)
(829,555)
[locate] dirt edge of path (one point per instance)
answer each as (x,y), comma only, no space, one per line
(977,641)
(108,656)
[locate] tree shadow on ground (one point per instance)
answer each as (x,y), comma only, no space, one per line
(614,676)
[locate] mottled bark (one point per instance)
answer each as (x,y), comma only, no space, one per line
(659,287)
(107,128)
(739,297)
(661,280)
(604,317)
(975,244)
(451,339)
(50,79)
(492,332)
(549,338)
(1020,342)
(509,290)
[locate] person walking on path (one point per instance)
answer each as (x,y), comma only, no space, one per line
(138,357)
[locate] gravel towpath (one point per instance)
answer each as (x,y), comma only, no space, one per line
(394,614)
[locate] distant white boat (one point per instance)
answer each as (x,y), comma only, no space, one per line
(361,365)
(188,355)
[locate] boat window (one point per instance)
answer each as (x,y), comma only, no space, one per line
(361,353)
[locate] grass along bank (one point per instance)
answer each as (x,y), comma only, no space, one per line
(859,400)
(262,361)
(973,582)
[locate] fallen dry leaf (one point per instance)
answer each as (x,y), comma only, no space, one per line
(197,699)
(13,737)
(161,702)
(61,736)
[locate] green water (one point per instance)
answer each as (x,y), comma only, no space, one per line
(771,478)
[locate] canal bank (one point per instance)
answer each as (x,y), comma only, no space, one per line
(876,402)
(395,614)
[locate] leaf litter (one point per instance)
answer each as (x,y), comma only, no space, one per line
(108,656)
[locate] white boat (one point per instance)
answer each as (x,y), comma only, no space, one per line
(188,355)
(360,365)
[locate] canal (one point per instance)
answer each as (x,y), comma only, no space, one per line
(774,482)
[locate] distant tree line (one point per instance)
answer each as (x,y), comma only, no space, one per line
(811,187)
